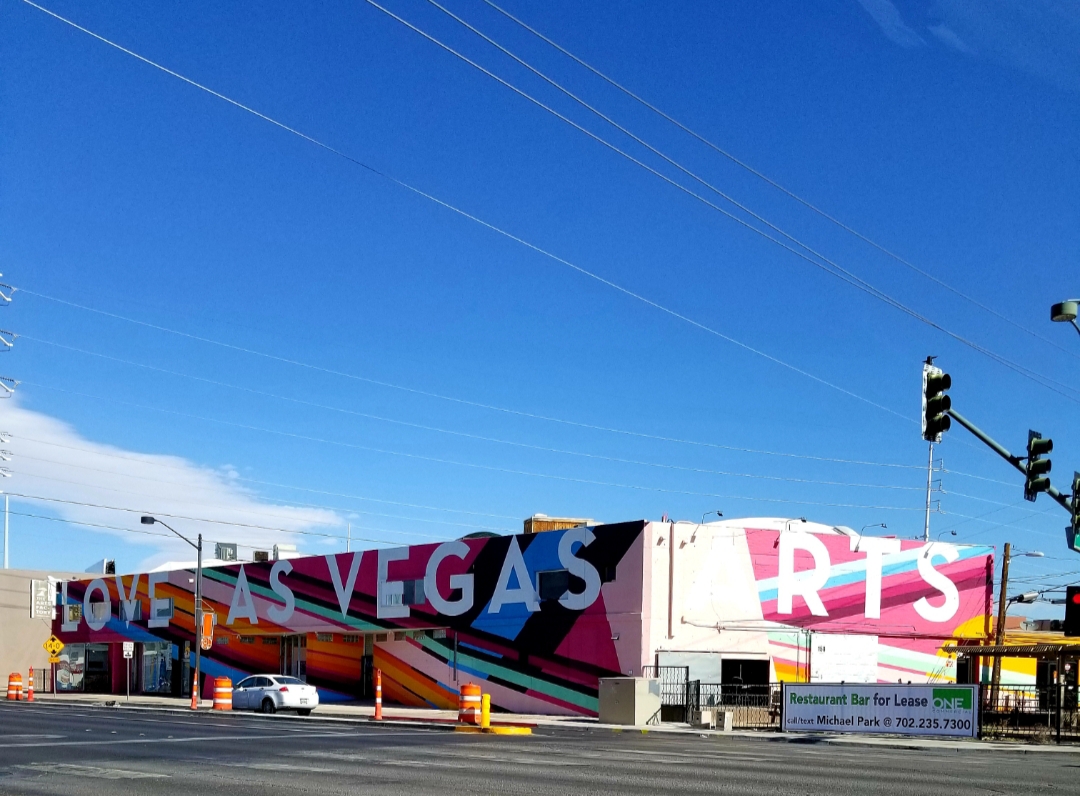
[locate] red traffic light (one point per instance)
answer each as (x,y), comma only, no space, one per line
(1075,599)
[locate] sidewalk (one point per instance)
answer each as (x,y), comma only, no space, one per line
(431,718)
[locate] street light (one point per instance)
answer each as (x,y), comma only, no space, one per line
(951,533)
(147,520)
(1066,312)
(718,513)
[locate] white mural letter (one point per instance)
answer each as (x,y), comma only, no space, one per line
(344,593)
(242,606)
(390,604)
(158,607)
(514,563)
(129,600)
(808,583)
(580,568)
(874,549)
(282,614)
(464,582)
(99,621)
(947,610)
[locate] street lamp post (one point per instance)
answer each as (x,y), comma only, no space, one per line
(147,520)
(1065,312)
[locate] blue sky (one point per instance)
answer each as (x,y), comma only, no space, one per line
(943,131)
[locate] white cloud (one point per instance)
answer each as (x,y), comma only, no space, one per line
(950,39)
(52,460)
(1041,37)
(888,18)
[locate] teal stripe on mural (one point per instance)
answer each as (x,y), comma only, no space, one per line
(509,675)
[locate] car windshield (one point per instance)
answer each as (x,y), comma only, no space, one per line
(289,681)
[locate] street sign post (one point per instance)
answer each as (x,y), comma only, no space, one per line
(129,653)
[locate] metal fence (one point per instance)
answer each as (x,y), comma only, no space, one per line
(751,706)
(1032,713)
(674,690)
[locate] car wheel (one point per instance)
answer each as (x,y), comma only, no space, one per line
(304,712)
(268,706)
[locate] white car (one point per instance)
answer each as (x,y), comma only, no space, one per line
(269,693)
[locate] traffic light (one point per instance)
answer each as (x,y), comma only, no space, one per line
(1072,611)
(935,404)
(1037,466)
(1074,509)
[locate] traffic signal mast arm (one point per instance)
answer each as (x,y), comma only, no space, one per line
(1015,461)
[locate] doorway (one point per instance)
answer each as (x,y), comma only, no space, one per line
(293,656)
(97,678)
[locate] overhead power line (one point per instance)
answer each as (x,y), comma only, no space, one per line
(478,437)
(210,521)
(476,219)
(458,400)
(471,465)
(773,183)
(811,256)
(364,498)
(293,504)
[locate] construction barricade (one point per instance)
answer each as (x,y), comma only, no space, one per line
(14,687)
(222,693)
(469,704)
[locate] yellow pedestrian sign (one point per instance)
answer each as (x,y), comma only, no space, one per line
(53,646)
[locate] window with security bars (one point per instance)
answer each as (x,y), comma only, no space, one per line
(327,637)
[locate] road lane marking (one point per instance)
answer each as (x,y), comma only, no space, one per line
(93,772)
(188,739)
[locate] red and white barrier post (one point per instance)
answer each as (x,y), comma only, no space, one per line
(378,695)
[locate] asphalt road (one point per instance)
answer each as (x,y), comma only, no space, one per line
(68,749)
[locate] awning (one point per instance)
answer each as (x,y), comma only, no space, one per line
(1017,650)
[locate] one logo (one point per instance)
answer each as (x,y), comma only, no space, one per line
(952,698)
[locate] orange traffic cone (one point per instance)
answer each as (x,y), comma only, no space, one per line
(30,686)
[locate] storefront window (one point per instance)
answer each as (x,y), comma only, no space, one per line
(157,667)
(69,672)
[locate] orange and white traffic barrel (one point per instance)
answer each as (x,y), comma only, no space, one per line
(378,695)
(14,687)
(222,693)
(469,704)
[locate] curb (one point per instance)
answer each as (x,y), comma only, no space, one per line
(878,742)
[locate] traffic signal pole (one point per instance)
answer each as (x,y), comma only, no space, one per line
(1015,461)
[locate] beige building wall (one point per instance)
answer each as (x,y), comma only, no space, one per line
(20,636)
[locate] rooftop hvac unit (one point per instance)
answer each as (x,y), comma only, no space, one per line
(260,556)
(225,551)
(284,551)
(105,566)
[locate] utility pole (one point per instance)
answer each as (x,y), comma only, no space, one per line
(198,627)
(999,636)
(348,541)
(6,506)
(929,489)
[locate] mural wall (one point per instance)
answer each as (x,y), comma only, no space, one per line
(538,618)
(820,606)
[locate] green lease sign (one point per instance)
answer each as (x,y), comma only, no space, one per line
(924,709)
